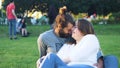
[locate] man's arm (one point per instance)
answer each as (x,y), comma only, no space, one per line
(6,15)
(41,46)
(6,11)
(13,12)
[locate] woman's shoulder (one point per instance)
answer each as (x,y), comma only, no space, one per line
(90,36)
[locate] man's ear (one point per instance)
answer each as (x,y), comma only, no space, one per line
(59,26)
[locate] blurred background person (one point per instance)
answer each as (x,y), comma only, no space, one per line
(52,13)
(11,16)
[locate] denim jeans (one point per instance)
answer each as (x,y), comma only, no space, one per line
(76,66)
(99,54)
(12,28)
(110,61)
(53,61)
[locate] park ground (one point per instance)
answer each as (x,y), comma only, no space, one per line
(23,52)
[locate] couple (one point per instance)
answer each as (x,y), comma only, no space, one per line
(82,53)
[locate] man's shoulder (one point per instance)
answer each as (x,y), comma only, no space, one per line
(47,34)
(10,5)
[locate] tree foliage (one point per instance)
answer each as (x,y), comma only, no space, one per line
(76,6)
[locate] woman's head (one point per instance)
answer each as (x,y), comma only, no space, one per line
(85,26)
(64,23)
(82,27)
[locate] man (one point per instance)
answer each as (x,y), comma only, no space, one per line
(52,40)
(11,16)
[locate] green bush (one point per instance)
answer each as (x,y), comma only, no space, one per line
(28,21)
(114,18)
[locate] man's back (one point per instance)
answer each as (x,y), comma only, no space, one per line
(9,9)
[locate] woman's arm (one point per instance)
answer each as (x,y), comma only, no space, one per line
(88,47)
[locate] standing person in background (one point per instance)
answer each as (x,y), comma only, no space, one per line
(53,40)
(52,13)
(11,16)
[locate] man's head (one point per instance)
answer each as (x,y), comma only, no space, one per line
(11,0)
(64,23)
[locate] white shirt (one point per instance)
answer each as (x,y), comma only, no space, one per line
(64,51)
(84,52)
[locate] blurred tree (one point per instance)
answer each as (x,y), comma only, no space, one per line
(76,6)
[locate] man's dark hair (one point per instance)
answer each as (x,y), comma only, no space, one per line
(11,0)
(63,18)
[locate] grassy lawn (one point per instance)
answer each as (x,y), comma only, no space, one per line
(23,53)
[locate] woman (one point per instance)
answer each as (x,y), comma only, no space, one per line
(82,55)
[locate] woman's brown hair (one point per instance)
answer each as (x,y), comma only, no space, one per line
(85,26)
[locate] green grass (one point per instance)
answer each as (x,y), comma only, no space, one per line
(23,53)
(20,52)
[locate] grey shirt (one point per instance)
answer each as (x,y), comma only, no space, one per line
(49,42)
